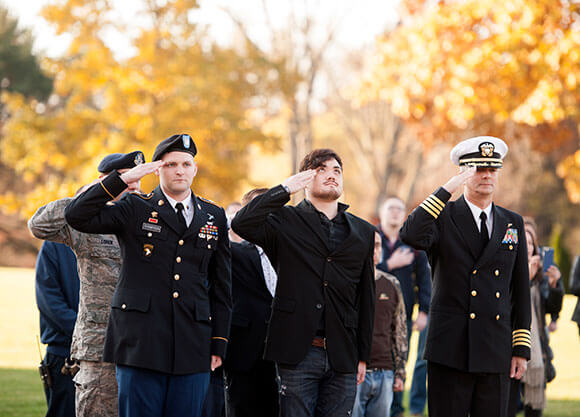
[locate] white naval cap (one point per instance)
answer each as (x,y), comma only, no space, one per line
(480,151)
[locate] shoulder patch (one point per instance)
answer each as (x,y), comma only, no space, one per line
(142,195)
(207,200)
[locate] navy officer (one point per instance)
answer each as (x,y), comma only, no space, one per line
(171,310)
(479,319)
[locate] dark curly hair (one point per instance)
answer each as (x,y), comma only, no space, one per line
(318,157)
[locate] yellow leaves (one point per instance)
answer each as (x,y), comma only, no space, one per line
(569,169)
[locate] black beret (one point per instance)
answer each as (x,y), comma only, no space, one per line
(120,161)
(175,143)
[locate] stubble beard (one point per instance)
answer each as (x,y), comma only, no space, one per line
(331,195)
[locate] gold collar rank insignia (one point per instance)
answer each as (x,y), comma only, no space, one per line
(383,296)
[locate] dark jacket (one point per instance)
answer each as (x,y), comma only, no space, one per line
(57,296)
(416,274)
(251,311)
(311,278)
(575,288)
(172,306)
(480,307)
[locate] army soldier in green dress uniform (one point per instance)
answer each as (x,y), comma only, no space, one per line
(479,329)
(171,309)
(99,264)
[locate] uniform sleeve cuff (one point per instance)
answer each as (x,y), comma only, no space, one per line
(521,343)
(435,203)
(113,185)
(219,346)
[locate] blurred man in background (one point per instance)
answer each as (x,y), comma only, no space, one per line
(57,298)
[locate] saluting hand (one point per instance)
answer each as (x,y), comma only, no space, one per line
(138,172)
(299,181)
(458,180)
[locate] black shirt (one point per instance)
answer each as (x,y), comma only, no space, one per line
(336,230)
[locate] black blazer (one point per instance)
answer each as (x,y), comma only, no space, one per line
(252,306)
(480,308)
(311,277)
(172,305)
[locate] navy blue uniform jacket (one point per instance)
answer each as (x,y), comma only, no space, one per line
(312,277)
(480,307)
(172,305)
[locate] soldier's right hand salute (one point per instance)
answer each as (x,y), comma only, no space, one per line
(138,172)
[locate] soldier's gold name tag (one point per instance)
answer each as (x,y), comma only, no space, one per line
(151,227)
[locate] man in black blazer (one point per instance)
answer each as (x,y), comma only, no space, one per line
(171,308)
(252,389)
(479,326)
(321,324)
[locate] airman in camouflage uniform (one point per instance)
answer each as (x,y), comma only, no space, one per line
(99,263)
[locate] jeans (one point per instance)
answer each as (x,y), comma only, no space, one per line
(375,394)
(60,396)
(418,394)
(313,389)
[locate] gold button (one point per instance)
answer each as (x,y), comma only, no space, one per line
(496,272)
(176,277)
(497,317)
(180,242)
(178,259)
(124,306)
(511,247)
(209,246)
(175,294)
(209,318)
(497,294)
(474,293)
(472,316)
(474,271)
(149,234)
(160,202)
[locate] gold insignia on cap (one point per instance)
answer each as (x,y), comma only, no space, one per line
(487,149)
(160,203)
(138,159)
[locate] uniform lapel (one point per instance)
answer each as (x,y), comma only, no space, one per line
(200,218)
(499,228)
(463,219)
(313,221)
(166,212)
(257,261)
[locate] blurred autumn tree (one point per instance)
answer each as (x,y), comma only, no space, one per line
(509,68)
(176,80)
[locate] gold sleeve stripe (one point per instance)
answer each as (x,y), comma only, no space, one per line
(436,202)
(441,203)
(220,338)
(526,344)
(521,339)
(107,191)
(428,210)
(527,336)
(521,331)
(432,206)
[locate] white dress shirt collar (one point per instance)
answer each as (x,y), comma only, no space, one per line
(476,212)
(187,207)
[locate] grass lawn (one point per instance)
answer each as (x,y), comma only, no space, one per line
(21,392)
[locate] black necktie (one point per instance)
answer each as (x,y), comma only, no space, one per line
(484,233)
(180,217)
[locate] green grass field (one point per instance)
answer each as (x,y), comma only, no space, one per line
(21,393)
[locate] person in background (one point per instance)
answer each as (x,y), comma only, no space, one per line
(252,389)
(411,268)
(57,298)
(386,370)
(533,383)
(231,211)
(575,289)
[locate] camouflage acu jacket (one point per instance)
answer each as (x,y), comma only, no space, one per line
(99,263)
